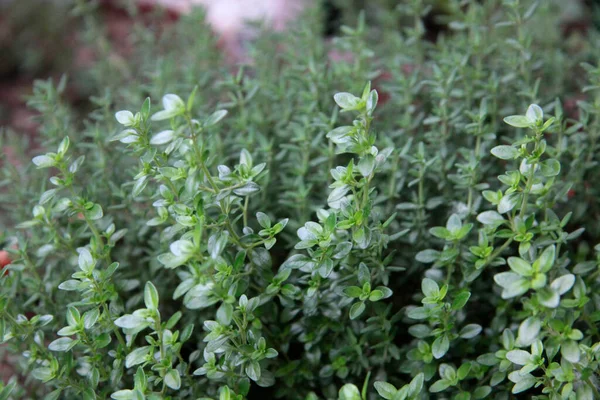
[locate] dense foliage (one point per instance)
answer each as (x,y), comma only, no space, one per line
(293,231)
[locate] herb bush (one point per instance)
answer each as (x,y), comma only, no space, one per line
(292,231)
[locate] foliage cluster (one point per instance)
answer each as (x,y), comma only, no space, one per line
(288,231)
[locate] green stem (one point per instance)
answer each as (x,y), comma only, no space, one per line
(497,252)
(245,211)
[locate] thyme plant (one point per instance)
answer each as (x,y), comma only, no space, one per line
(382,215)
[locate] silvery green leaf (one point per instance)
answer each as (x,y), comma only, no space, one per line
(163,137)
(172,102)
(62,344)
(150,296)
(90,318)
(429,287)
(366,165)
(385,390)
(215,118)
(518,121)
(357,309)
(346,101)
(534,113)
(248,189)
(340,135)
(520,266)
(529,331)
(245,158)
(570,350)
(563,284)
(137,356)
(125,118)
(509,202)
(522,382)
(440,347)
(492,218)
(519,357)
(349,392)
(182,248)
(94,213)
(505,152)
(44,161)
(548,297)
(173,379)
(86,262)
(546,260)
(470,331)
(130,321)
(253,370)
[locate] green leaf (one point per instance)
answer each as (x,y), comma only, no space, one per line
(470,331)
(85,261)
(130,321)
(548,298)
(519,357)
(508,202)
(172,102)
(225,314)
(522,382)
(429,287)
(163,137)
(520,266)
(357,309)
(505,152)
(385,390)
(376,295)
(349,392)
(172,379)
(145,111)
(253,370)
(43,374)
(63,146)
(546,260)
(44,161)
(215,118)
(570,350)
(263,220)
(460,300)
(94,213)
(463,371)
(529,331)
(90,318)
(518,121)
(70,285)
(482,392)
(150,296)
(427,256)
(563,283)
(440,232)
(534,114)
(550,167)
(62,344)
(353,291)
(125,117)
(416,385)
(137,356)
(372,101)
(248,189)
(366,165)
(346,101)
(439,386)
(440,347)
(491,218)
